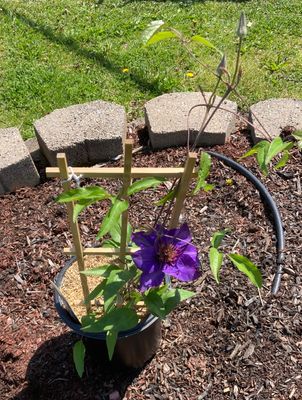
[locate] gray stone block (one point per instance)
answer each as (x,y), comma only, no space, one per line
(16,165)
(88,133)
(274,115)
(166,118)
(35,152)
(33,148)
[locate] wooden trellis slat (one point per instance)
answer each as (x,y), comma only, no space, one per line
(126,174)
(182,189)
(74,227)
(99,251)
(126,183)
(112,172)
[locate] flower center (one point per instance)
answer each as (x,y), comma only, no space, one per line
(167,253)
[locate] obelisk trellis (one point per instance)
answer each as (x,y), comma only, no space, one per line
(126,173)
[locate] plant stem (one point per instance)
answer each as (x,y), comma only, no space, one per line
(163,206)
(228,91)
(231,112)
(237,62)
(265,132)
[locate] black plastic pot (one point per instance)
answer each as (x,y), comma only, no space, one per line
(134,347)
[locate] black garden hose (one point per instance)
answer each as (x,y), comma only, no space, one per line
(272,207)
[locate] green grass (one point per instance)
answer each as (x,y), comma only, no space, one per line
(62,52)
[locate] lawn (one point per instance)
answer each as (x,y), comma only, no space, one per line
(64,52)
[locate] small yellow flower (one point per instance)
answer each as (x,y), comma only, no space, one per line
(189,74)
(229,182)
(125,70)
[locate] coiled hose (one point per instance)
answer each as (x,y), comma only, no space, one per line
(272,207)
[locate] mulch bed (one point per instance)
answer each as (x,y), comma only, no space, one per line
(222,344)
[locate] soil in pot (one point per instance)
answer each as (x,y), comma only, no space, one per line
(134,347)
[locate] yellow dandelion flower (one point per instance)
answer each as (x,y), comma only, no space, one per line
(189,74)
(229,182)
(125,70)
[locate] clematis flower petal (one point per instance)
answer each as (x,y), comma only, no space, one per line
(189,251)
(143,239)
(183,232)
(145,259)
(165,251)
(186,269)
(149,280)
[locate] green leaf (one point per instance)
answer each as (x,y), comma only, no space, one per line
(205,42)
(129,232)
(203,172)
(135,297)
(276,147)
(114,283)
(215,263)
(79,357)
(254,149)
(111,338)
(261,157)
(112,217)
(96,292)
(118,319)
(93,193)
(151,29)
(159,36)
(104,270)
(283,160)
(208,187)
(297,135)
(88,319)
(84,198)
(110,243)
(174,297)
(248,268)
(204,166)
(80,206)
(143,184)
(218,237)
(115,231)
(154,301)
(161,301)
(169,196)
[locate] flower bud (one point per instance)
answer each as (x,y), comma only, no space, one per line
(222,66)
(242,26)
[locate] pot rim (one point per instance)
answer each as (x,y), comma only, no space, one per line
(76,326)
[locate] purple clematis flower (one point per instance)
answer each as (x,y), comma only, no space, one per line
(164,251)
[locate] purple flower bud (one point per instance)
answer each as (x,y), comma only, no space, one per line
(222,66)
(242,26)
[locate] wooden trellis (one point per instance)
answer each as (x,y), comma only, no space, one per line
(126,173)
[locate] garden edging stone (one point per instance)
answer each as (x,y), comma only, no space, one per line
(274,115)
(88,133)
(17,168)
(166,118)
(35,152)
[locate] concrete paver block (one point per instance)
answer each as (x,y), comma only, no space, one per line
(16,165)
(166,118)
(88,133)
(274,115)
(35,152)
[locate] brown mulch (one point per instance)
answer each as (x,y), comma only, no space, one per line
(225,343)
